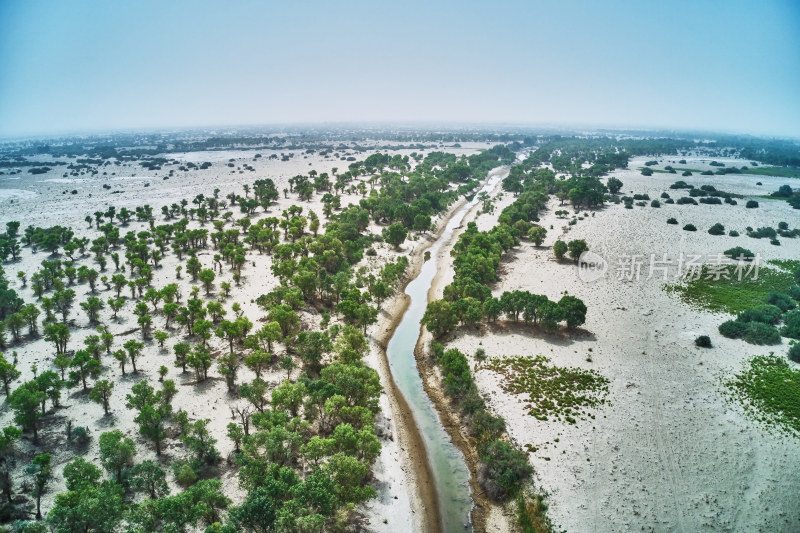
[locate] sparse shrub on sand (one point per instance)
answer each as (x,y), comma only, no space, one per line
(703,341)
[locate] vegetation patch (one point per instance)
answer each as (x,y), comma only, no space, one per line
(769,391)
(559,393)
(731,295)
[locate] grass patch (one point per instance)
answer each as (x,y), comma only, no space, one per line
(790,265)
(769,391)
(780,172)
(682,169)
(558,393)
(731,295)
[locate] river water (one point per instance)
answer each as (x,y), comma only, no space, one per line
(450,472)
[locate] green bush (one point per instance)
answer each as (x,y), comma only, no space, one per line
(794,352)
(690,227)
(486,427)
(760,333)
(782,301)
(766,314)
(738,251)
(504,470)
(794,292)
(671,221)
(733,329)
(703,341)
(733,233)
(655,203)
(717,229)
(791,325)
(751,204)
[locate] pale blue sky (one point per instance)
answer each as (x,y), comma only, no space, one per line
(723,65)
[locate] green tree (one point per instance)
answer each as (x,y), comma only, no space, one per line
(395,234)
(116,452)
(8,373)
(25,401)
(200,442)
(40,473)
(101,393)
(58,334)
(134,349)
(560,249)
(573,310)
(614,185)
(576,248)
(80,474)
(199,359)
(92,307)
(258,361)
(537,234)
(96,508)
(153,412)
(149,478)
(182,350)
(207,277)
(439,318)
(85,366)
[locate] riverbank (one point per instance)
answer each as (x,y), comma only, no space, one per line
(434,387)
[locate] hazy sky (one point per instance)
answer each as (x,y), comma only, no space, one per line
(722,65)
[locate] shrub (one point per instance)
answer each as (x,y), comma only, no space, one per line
(671,221)
(665,195)
(717,229)
(669,201)
(775,242)
(559,249)
(782,301)
(791,325)
(711,200)
(647,171)
(794,292)
(766,314)
(504,470)
(751,204)
(686,173)
(733,233)
(794,352)
(655,203)
(703,341)
(684,200)
(760,333)
(706,173)
(738,251)
(690,227)
(732,329)
(681,185)
(641,196)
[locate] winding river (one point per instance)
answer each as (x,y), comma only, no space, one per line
(449,469)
